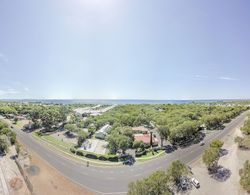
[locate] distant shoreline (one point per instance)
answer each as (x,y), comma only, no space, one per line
(117,101)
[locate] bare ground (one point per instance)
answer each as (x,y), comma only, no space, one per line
(233,161)
(47,180)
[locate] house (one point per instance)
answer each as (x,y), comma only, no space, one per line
(145,138)
(101,133)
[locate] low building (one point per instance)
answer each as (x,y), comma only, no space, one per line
(102,133)
(145,138)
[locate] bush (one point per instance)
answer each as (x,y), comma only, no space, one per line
(102,157)
(39,133)
(113,158)
(73,150)
(91,156)
(80,153)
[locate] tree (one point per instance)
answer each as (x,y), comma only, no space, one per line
(217,144)
(12,137)
(4,143)
(164,133)
(118,141)
(245,176)
(71,128)
(82,136)
(210,157)
(155,184)
(176,170)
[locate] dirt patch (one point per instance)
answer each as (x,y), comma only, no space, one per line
(47,180)
(33,170)
(16,183)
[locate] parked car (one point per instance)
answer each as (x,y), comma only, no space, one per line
(183,183)
(128,162)
(202,143)
(195,182)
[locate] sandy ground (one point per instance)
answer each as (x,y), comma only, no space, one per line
(61,136)
(47,180)
(233,161)
(12,175)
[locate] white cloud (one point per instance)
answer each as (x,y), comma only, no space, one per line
(201,76)
(26,89)
(8,91)
(228,78)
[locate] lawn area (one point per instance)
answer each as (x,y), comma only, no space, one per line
(150,156)
(65,146)
(21,123)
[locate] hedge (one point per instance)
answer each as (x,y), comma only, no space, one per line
(138,154)
(109,157)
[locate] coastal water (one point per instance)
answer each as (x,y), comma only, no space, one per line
(114,101)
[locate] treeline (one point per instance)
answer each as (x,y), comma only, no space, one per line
(181,121)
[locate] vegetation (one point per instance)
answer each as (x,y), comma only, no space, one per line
(211,155)
(7,137)
(246,128)
(82,136)
(160,182)
(245,176)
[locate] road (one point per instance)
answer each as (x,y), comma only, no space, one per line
(114,180)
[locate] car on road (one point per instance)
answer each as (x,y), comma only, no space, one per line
(202,143)
(128,162)
(195,182)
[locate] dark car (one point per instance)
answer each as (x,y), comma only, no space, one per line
(128,162)
(183,183)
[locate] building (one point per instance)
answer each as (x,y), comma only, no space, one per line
(101,133)
(145,138)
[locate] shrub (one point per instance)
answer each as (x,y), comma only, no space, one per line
(113,158)
(102,157)
(73,150)
(80,153)
(139,154)
(92,156)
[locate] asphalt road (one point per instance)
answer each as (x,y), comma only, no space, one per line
(115,180)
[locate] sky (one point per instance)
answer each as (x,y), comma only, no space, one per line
(125,49)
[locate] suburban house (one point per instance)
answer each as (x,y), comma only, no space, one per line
(145,138)
(101,133)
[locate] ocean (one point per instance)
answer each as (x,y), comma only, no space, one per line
(114,101)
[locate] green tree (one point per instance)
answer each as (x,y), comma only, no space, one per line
(210,157)
(155,184)
(4,143)
(245,176)
(82,136)
(71,128)
(217,144)
(176,170)
(164,133)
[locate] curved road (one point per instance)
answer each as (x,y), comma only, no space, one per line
(115,180)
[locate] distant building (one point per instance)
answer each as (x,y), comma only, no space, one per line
(102,133)
(145,138)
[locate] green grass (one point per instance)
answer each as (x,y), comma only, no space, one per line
(150,156)
(65,147)
(21,123)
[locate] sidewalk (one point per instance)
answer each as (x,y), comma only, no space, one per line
(3,184)
(11,179)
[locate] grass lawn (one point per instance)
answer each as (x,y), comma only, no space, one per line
(21,123)
(150,155)
(65,147)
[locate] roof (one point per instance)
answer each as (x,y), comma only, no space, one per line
(104,129)
(140,128)
(145,138)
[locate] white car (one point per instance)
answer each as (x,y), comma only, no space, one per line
(202,143)
(195,182)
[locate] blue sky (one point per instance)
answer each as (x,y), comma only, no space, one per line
(126,49)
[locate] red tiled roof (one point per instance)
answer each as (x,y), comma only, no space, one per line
(145,138)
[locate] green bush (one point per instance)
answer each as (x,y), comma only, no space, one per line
(113,158)
(92,156)
(80,153)
(139,154)
(102,157)
(73,150)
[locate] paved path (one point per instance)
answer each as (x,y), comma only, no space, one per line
(3,183)
(114,180)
